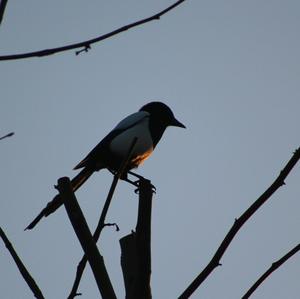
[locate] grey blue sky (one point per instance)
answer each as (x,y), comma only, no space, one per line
(230,70)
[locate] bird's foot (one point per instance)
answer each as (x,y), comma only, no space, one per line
(136,183)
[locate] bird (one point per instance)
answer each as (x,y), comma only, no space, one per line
(145,127)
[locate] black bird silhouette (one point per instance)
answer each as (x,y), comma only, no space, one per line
(147,126)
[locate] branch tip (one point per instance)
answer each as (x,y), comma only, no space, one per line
(7,135)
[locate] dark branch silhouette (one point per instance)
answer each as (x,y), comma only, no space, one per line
(128,262)
(141,284)
(86,239)
(136,248)
(86,45)
(7,135)
(273,267)
(215,261)
(101,224)
(2,9)
(24,272)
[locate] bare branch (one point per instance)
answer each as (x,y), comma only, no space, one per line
(85,238)
(101,224)
(7,135)
(24,272)
(273,267)
(86,45)
(2,9)
(141,287)
(129,262)
(215,261)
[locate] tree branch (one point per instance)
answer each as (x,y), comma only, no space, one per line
(87,44)
(101,222)
(2,9)
(136,248)
(141,286)
(215,261)
(85,238)
(24,272)
(273,267)
(7,135)
(128,262)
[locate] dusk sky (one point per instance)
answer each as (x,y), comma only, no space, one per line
(229,70)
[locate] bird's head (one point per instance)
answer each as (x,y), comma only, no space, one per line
(162,113)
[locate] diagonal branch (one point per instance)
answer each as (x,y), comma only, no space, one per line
(101,223)
(87,44)
(24,272)
(85,238)
(273,267)
(7,135)
(215,261)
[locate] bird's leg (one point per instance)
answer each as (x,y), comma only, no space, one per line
(125,178)
(134,183)
(135,174)
(140,178)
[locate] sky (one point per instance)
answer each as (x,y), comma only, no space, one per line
(230,71)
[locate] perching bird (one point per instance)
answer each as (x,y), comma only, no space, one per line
(145,126)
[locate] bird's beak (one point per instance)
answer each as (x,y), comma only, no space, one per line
(177,123)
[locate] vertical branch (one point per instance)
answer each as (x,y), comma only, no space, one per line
(128,262)
(142,288)
(136,248)
(24,272)
(85,238)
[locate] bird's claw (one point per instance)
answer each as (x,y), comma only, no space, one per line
(137,183)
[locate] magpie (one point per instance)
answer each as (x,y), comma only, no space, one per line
(146,127)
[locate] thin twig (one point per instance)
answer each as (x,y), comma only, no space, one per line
(85,238)
(7,135)
(24,272)
(273,267)
(101,223)
(215,261)
(87,44)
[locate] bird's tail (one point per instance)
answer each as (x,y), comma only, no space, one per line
(56,202)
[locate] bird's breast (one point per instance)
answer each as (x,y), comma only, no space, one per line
(143,148)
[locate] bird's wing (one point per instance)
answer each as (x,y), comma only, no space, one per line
(93,159)
(131,120)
